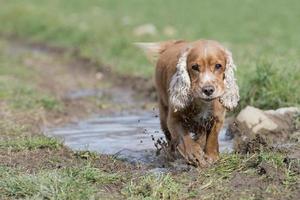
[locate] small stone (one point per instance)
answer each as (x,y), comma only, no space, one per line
(99,75)
(254,129)
(126,20)
(255,119)
(169,31)
(145,29)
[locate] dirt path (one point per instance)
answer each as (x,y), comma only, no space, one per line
(84,86)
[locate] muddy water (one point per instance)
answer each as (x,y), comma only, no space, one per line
(127,136)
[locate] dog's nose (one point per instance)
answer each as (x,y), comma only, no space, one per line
(208,90)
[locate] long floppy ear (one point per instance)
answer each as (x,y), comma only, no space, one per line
(180,84)
(231,96)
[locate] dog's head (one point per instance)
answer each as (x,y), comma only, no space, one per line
(205,71)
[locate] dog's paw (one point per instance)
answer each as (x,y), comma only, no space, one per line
(192,152)
(211,158)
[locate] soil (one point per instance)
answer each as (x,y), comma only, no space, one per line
(253,184)
(34,160)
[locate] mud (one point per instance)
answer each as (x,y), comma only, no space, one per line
(265,182)
(281,139)
(130,136)
(44,158)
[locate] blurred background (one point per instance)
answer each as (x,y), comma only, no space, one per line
(263,36)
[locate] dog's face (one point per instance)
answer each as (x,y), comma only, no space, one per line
(205,71)
(206,64)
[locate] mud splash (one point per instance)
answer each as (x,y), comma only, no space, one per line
(122,128)
(129,137)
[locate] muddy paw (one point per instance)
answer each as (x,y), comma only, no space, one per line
(211,158)
(193,153)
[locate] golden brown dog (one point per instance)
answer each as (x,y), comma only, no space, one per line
(195,85)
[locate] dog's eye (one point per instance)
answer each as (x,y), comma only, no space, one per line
(195,67)
(218,66)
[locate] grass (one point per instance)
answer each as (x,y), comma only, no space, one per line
(18,84)
(25,97)
(32,143)
(153,187)
(265,90)
(8,127)
(103,30)
(219,181)
(216,182)
(71,183)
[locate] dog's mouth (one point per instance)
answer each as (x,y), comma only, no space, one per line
(201,96)
(208,99)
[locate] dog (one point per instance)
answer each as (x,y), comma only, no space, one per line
(195,86)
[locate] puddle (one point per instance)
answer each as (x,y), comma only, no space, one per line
(128,137)
(114,95)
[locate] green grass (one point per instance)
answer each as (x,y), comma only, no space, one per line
(153,186)
(25,97)
(103,30)
(18,84)
(10,128)
(70,183)
(271,86)
(21,94)
(215,182)
(30,143)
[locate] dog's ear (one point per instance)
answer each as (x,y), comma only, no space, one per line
(180,84)
(231,95)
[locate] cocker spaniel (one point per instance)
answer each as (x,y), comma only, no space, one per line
(195,85)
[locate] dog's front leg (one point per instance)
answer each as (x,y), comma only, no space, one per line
(212,143)
(183,142)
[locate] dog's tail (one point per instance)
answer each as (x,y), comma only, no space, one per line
(154,49)
(151,49)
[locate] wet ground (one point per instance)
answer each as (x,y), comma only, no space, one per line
(128,135)
(101,115)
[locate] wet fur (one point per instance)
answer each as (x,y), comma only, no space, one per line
(182,110)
